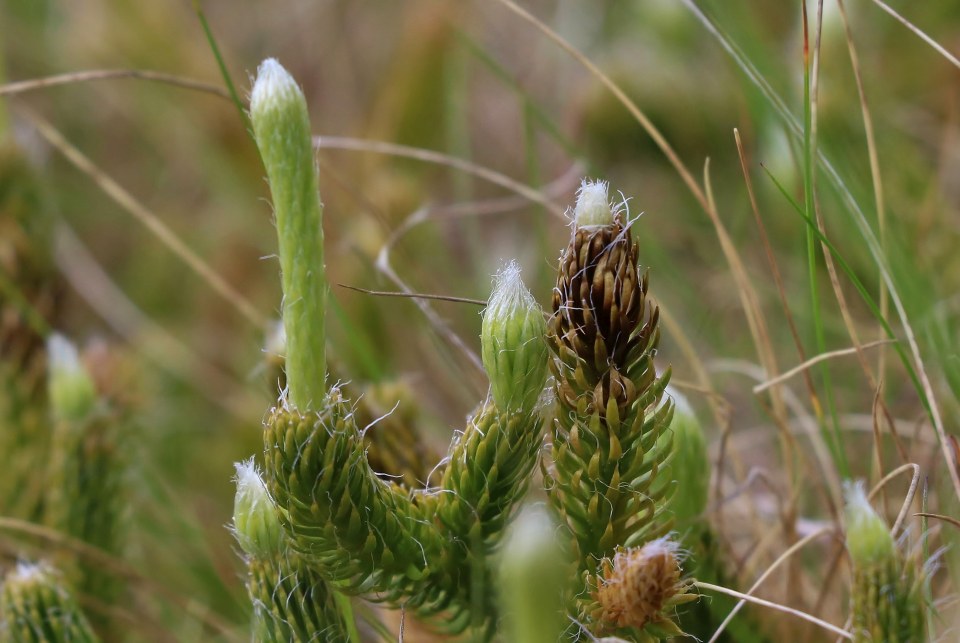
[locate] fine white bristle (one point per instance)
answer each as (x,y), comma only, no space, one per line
(509,292)
(273,84)
(593,204)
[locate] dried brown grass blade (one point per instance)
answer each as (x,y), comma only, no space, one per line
(429,156)
(813,361)
(948,519)
(766,574)
(953,60)
(776,606)
(415,295)
(774,267)
(86,76)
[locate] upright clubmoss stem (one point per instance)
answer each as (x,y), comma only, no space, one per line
(533,577)
(281,127)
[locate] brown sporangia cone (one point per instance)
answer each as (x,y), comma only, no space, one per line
(598,303)
(610,434)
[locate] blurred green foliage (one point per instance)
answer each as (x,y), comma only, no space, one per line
(474,81)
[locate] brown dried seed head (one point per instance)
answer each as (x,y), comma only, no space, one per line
(634,588)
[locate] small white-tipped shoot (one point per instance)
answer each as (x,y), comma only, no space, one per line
(512,342)
(887,594)
(281,127)
(72,391)
(868,537)
(593,205)
(255,517)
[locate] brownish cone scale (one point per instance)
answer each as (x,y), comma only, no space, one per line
(598,304)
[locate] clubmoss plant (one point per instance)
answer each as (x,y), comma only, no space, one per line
(281,126)
(72,391)
(433,550)
(86,496)
(535,573)
(886,599)
(610,439)
(425,549)
(37,607)
(389,415)
(690,463)
(513,348)
(386,410)
(291,602)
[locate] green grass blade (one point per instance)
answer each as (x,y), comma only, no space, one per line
(215,49)
(861,289)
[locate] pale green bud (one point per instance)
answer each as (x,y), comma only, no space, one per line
(255,519)
(593,205)
(533,577)
(512,342)
(73,393)
(281,127)
(868,537)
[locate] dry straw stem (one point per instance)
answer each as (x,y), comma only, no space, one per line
(873,156)
(828,254)
(908,498)
(85,76)
(940,49)
(866,232)
(826,473)
(149,220)
(429,156)
(772,261)
(416,295)
(777,606)
(797,546)
(950,519)
(813,361)
(878,199)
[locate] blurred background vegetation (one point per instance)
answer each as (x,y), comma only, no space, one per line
(476,82)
